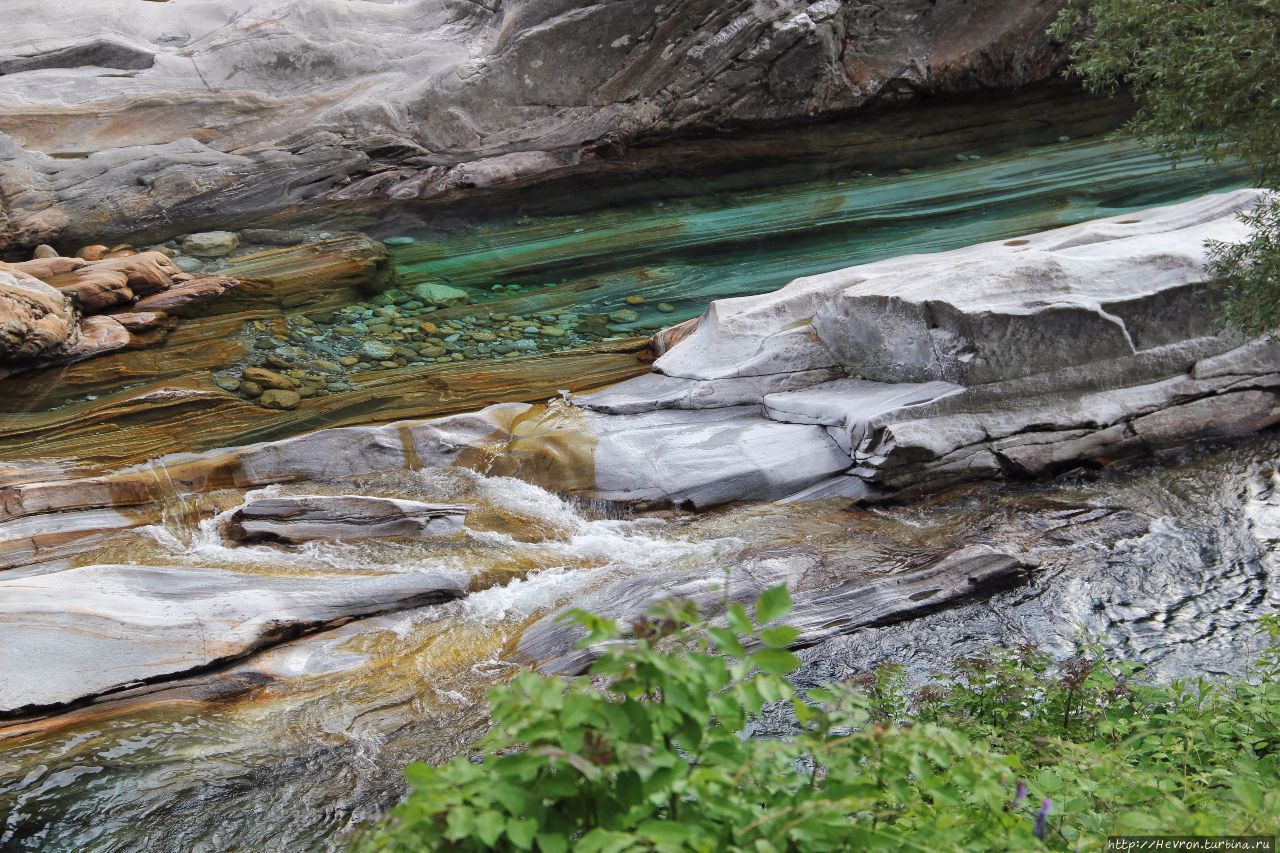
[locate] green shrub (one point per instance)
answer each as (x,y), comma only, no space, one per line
(1012,751)
(1206,78)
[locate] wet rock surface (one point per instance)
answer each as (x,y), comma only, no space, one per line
(303,518)
(56,310)
(1016,358)
(431,98)
(820,612)
(78,633)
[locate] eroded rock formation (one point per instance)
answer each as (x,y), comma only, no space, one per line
(768,399)
(303,518)
(78,633)
(46,303)
(231,108)
(1018,358)
(821,610)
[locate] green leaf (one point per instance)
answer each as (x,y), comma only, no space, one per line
(552,842)
(773,603)
(738,619)
(727,642)
(779,636)
(489,827)
(666,831)
(778,661)
(521,832)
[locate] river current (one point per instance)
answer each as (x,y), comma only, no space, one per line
(1167,562)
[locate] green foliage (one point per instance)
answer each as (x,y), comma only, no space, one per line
(1206,78)
(649,753)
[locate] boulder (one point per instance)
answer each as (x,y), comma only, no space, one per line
(301,518)
(146,272)
(182,297)
(269,378)
(94,291)
(210,244)
(77,633)
(145,321)
(44,267)
(96,335)
(279,398)
(441,295)
(36,320)
(1014,358)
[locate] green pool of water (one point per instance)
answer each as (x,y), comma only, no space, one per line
(551,283)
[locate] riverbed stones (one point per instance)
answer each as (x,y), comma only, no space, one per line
(268,378)
(294,519)
(377,350)
(79,633)
(278,398)
(441,295)
(210,244)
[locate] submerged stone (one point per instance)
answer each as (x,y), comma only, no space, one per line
(377,350)
(441,294)
(210,244)
(277,398)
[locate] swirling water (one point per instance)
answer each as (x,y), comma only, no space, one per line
(297,746)
(1168,563)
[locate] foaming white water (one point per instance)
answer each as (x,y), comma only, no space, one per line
(205,543)
(524,597)
(543,533)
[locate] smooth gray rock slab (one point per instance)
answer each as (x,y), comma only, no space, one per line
(654,391)
(819,613)
(701,458)
(79,633)
(849,404)
(293,519)
(986,313)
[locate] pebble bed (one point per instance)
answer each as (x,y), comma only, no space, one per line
(317,355)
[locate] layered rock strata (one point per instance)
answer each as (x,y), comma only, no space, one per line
(1018,358)
(57,310)
(821,611)
(126,116)
(799,394)
(293,519)
(79,633)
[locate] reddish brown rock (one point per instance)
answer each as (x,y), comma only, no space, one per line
(144,321)
(189,293)
(147,272)
(44,268)
(92,253)
(97,335)
(35,319)
(672,335)
(96,290)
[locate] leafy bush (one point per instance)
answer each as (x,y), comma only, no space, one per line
(1012,751)
(1206,78)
